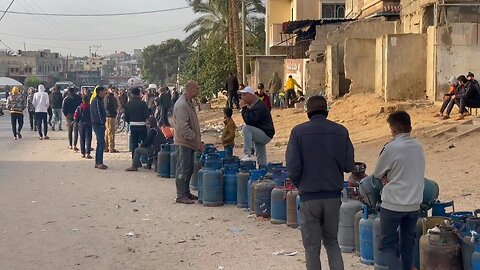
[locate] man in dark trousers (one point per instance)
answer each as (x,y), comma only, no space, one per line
(401,166)
(187,140)
(150,146)
(136,114)
(111,107)
(231,85)
(165,104)
(70,104)
(99,117)
(56,100)
(318,153)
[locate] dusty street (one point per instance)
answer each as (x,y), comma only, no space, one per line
(58,212)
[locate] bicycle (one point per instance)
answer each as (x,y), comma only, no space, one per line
(120,123)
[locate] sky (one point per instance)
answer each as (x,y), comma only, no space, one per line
(74,35)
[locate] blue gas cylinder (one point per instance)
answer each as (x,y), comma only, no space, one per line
(366,237)
(278,205)
(299,213)
(163,166)
(212,188)
(230,188)
(212,161)
(196,167)
(439,209)
(242,197)
(248,165)
(377,240)
(200,184)
(255,175)
(230,168)
(458,220)
(263,193)
(279,175)
(272,165)
(476,253)
(222,154)
(173,163)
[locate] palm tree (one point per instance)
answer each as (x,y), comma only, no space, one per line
(220,19)
(212,23)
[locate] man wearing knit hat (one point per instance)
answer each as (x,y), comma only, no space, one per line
(318,153)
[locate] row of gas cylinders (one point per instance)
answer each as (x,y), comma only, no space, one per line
(445,241)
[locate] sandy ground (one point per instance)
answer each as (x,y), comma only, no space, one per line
(58,212)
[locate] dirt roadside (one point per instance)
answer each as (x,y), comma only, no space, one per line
(58,212)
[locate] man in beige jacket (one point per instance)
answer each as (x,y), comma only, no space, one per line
(187,140)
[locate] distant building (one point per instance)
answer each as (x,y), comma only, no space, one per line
(42,63)
(281,15)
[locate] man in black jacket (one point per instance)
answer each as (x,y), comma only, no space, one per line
(136,113)
(70,104)
(165,103)
(231,85)
(149,147)
(111,107)
(56,100)
(99,117)
(258,126)
(318,153)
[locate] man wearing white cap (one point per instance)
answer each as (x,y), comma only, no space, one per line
(258,126)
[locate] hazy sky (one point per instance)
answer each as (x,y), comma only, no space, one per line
(73,35)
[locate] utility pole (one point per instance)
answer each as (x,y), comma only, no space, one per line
(244,25)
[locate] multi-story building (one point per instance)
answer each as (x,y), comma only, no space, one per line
(283,17)
(42,63)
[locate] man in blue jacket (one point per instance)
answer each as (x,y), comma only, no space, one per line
(318,153)
(99,117)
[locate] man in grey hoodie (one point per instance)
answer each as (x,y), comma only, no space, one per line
(401,167)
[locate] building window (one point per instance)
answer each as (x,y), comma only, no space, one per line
(333,11)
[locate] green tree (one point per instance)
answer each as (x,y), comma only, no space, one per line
(160,62)
(209,64)
(32,81)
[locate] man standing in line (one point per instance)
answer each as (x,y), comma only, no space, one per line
(231,85)
(99,117)
(111,107)
(41,102)
(56,100)
(70,104)
(187,139)
(401,167)
(290,91)
(165,100)
(258,126)
(274,86)
(319,179)
(136,115)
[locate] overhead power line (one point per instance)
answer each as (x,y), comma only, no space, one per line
(92,15)
(6,10)
(93,39)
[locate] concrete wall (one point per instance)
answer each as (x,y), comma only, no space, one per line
(263,68)
(380,67)
(331,72)
(359,61)
(431,64)
(366,29)
(314,77)
(455,53)
(405,62)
